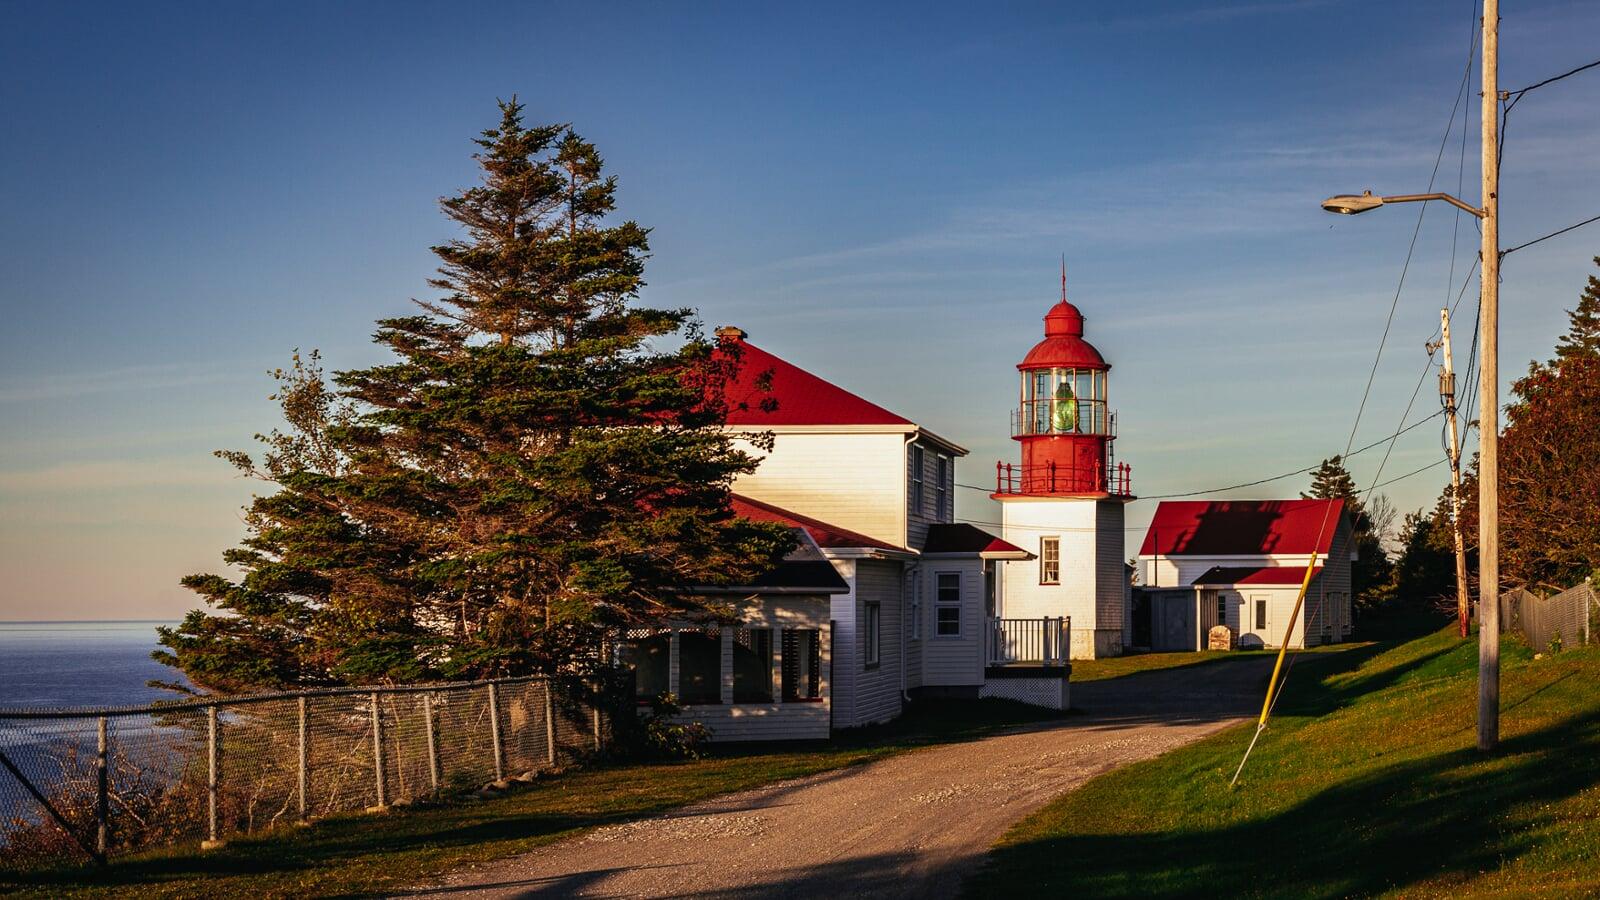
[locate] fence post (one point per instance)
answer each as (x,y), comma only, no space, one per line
(433,741)
(305,759)
(213,777)
(549,721)
(494,732)
(102,802)
(377,750)
(594,706)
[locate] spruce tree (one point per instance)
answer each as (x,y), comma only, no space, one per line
(1370,571)
(533,467)
(1583,335)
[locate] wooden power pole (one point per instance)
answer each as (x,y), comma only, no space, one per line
(1447,396)
(1489,395)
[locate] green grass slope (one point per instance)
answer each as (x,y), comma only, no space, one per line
(1367,782)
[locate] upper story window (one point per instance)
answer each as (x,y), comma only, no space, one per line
(941,488)
(1050,560)
(917,462)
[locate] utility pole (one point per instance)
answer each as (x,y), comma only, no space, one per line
(1447,396)
(1489,395)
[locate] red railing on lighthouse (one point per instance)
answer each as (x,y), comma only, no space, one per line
(1059,478)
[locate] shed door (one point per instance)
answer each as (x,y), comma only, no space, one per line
(1259,609)
(1172,621)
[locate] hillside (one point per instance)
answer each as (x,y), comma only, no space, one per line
(1366,783)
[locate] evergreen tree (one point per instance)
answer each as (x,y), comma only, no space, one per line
(1370,571)
(1583,336)
(530,470)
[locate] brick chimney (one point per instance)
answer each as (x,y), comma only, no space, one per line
(731,333)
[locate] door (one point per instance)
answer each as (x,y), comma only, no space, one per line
(1259,608)
(1172,620)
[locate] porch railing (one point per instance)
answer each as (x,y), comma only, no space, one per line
(1040,642)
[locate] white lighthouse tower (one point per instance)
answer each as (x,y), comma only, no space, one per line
(1064,502)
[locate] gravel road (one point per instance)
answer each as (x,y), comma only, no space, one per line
(911,825)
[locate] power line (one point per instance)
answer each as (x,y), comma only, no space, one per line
(1231,487)
(1518,93)
(1550,235)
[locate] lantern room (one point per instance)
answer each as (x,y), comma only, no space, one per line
(1063,419)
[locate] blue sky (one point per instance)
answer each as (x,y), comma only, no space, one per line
(879,194)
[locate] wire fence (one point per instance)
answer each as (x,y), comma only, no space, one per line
(110,781)
(1568,619)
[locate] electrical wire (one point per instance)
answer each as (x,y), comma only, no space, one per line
(1552,234)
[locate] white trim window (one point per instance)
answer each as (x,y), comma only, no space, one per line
(915,487)
(872,634)
(941,487)
(1050,560)
(947,604)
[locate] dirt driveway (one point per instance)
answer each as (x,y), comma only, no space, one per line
(910,825)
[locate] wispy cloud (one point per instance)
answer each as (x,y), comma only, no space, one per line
(129,378)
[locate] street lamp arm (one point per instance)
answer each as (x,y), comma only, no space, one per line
(1412,198)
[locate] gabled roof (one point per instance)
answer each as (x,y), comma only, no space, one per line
(1242,527)
(802,398)
(804,570)
(828,537)
(1231,576)
(960,537)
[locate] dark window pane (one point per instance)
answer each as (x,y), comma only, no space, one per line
(645,651)
(700,666)
(752,665)
(949,587)
(949,620)
(802,664)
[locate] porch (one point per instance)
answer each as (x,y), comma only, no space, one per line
(1028,660)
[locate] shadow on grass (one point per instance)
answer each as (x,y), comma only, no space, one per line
(522,820)
(1436,818)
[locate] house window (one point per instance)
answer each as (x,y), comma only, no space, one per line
(941,489)
(700,665)
(1050,560)
(802,665)
(948,608)
(871,633)
(916,478)
(1222,608)
(647,651)
(916,609)
(1261,615)
(752,665)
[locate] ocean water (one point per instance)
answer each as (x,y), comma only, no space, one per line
(56,664)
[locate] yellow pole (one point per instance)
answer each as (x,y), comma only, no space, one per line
(1283,648)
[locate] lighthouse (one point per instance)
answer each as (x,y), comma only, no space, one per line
(1064,501)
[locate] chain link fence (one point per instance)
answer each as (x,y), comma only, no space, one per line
(110,781)
(1570,618)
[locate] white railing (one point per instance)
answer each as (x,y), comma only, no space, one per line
(1039,642)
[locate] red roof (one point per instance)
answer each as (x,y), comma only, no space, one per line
(1242,527)
(827,536)
(959,537)
(1260,577)
(1063,345)
(802,398)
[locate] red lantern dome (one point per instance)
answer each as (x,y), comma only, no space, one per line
(1064,423)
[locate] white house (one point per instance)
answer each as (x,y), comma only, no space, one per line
(1240,563)
(913,610)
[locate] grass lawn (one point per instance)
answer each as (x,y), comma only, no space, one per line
(1145,661)
(366,854)
(1367,782)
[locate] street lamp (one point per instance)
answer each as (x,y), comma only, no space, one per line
(1352,204)
(1488,371)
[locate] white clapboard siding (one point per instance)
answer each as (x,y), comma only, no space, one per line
(853,480)
(953,660)
(876,693)
(916,630)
